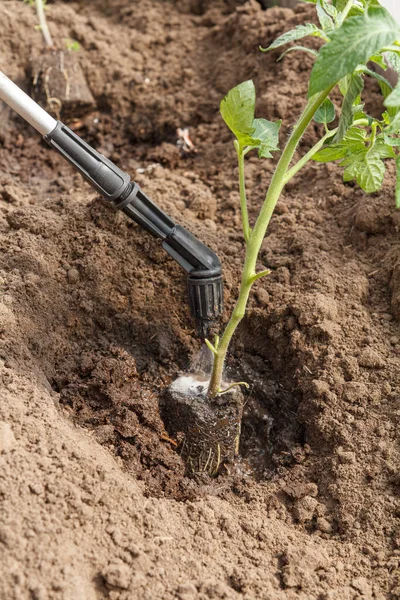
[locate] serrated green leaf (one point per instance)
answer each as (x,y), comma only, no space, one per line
(325,20)
(366,167)
(237,110)
(398,182)
(354,89)
(325,113)
(383,149)
(354,141)
(299,32)
(350,45)
(265,137)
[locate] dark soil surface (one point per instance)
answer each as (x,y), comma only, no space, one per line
(94,324)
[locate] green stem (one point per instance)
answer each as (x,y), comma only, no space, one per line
(241,152)
(373,135)
(43,23)
(257,236)
(304,160)
(346,10)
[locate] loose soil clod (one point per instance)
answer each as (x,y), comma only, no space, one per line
(59,85)
(208,429)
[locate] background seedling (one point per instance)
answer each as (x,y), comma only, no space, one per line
(59,84)
(354,33)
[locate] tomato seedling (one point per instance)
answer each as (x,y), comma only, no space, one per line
(354,33)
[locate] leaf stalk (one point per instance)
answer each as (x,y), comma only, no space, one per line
(241,152)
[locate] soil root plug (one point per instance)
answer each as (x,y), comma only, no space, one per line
(208,429)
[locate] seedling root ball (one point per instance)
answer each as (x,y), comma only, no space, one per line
(207,429)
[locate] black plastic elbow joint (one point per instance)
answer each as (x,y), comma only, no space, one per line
(205,282)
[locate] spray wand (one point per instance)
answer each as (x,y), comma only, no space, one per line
(205,282)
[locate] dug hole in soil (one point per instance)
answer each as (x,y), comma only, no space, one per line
(94,324)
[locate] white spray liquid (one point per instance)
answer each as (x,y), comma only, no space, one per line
(202,362)
(196,381)
(190,385)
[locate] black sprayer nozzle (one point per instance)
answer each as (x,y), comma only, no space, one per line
(205,282)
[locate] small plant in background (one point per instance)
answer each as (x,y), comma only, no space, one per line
(355,33)
(72,45)
(40,9)
(58,81)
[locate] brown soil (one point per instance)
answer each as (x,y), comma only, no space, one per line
(94,324)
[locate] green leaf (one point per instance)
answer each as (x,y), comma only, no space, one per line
(391,141)
(299,32)
(339,4)
(354,141)
(325,113)
(358,113)
(325,20)
(398,182)
(329,9)
(379,60)
(352,44)
(237,110)
(393,99)
(344,85)
(386,90)
(394,60)
(385,150)
(394,125)
(265,137)
(330,154)
(355,85)
(367,167)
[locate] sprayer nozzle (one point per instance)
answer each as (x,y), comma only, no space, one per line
(203,328)
(206,296)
